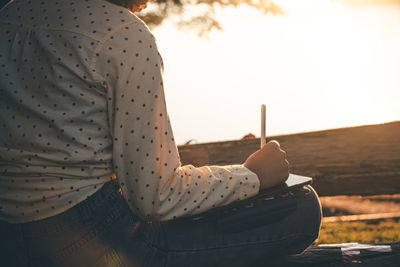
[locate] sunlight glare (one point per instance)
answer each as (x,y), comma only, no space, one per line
(321,65)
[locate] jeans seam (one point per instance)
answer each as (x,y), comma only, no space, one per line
(109,252)
(151,246)
(95,231)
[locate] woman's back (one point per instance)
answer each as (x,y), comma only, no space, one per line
(56,144)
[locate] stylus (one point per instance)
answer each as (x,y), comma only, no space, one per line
(262,139)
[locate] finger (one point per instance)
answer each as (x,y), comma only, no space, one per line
(285,163)
(273,144)
(283,153)
(284,174)
(287,175)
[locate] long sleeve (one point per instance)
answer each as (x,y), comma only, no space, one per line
(145,156)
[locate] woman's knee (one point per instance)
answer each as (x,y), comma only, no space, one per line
(309,207)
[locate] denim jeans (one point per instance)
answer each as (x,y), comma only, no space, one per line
(102,231)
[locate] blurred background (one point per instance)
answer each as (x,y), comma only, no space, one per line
(316,64)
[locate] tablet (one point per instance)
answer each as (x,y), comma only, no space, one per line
(294,181)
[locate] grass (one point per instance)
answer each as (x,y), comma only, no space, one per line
(382,231)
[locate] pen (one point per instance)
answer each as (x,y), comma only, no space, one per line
(262,138)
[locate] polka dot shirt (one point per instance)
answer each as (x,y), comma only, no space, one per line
(82,103)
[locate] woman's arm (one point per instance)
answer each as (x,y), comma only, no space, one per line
(145,155)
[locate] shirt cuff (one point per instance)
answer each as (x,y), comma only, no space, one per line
(248,181)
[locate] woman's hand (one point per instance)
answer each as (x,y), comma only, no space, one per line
(270,165)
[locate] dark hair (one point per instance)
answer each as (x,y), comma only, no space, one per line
(123,3)
(128,3)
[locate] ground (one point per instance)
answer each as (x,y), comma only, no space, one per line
(374,231)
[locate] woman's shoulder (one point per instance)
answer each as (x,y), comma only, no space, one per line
(107,18)
(118,20)
(98,19)
(113,15)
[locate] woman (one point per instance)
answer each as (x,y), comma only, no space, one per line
(90,172)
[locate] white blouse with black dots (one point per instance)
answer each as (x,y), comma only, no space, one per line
(82,102)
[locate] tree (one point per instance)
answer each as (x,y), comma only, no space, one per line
(205,21)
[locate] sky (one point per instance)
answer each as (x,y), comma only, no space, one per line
(324,64)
